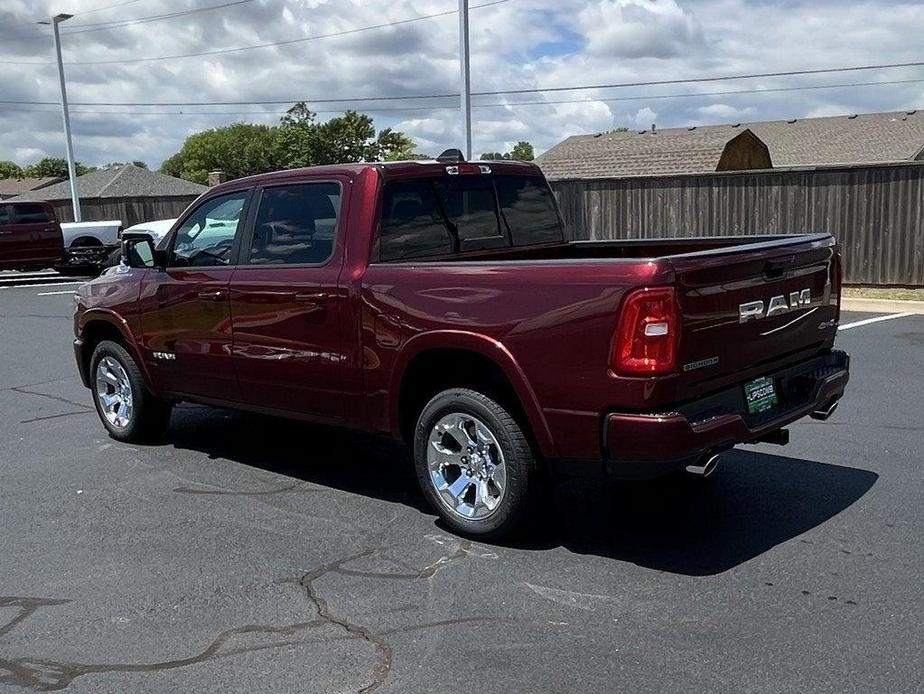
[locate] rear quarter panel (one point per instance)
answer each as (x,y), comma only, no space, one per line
(548,324)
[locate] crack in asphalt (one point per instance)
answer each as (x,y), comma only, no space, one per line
(38,383)
(27,607)
(57,398)
(48,675)
(296,487)
(382,647)
(43,674)
(53,416)
(427,573)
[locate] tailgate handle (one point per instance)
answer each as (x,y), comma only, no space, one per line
(774,269)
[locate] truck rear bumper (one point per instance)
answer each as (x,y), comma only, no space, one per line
(646,445)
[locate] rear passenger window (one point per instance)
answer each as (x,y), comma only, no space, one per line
(296,225)
(5,215)
(470,206)
(31,214)
(412,224)
(529,209)
(456,213)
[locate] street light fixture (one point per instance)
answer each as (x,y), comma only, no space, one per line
(71,169)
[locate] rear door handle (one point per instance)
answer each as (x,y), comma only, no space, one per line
(313,297)
(212,294)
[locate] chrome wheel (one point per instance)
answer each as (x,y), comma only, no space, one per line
(466,466)
(114,392)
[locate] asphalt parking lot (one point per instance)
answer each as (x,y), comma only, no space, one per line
(245,554)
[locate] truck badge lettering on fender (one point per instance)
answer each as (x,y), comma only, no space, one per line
(168,356)
(778,305)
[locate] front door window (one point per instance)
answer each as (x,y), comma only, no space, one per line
(206,238)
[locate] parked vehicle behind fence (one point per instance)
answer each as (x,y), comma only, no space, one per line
(90,245)
(30,236)
(157,228)
(442,303)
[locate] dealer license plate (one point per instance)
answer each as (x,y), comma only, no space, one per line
(760,395)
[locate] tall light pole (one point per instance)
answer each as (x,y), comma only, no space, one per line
(466,78)
(71,169)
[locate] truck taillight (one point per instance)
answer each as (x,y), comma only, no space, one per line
(648,333)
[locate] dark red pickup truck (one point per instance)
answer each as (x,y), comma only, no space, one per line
(30,236)
(441,302)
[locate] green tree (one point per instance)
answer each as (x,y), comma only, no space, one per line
(522,151)
(242,149)
(348,138)
(10,169)
(299,140)
(55,167)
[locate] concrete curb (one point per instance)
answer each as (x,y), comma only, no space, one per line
(881,305)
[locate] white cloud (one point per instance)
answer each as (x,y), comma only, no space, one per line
(520,44)
(724,112)
(638,28)
(644,117)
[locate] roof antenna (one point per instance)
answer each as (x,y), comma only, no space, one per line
(451,156)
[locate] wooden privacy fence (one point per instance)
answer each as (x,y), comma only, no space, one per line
(130,210)
(876,212)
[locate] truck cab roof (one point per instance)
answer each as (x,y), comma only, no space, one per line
(391,169)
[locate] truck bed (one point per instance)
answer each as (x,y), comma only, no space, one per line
(633,249)
(555,309)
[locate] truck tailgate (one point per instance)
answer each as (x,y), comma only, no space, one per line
(748,310)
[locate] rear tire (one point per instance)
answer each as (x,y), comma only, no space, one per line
(474,463)
(125,405)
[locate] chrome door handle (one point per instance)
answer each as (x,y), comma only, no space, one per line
(313,297)
(211,294)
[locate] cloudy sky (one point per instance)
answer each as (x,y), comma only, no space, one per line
(516,45)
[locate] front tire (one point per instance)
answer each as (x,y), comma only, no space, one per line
(128,410)
(474,463)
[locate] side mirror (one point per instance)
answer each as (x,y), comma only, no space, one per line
(139,250)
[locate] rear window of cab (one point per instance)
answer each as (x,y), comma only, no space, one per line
(438,216)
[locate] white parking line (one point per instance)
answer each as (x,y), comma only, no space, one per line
(858,323)
(69,291)
(26,275)
(45,284)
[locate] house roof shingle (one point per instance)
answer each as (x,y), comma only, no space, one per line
(126,181)
(17,186)
(857,139)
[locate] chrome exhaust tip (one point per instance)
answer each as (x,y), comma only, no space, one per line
(705,466)
(825,412)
